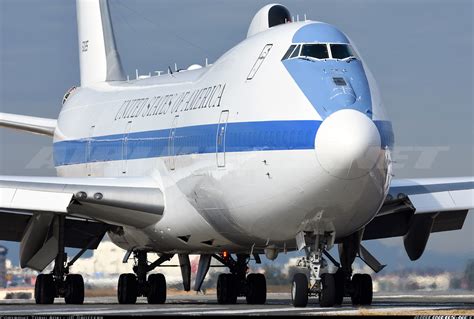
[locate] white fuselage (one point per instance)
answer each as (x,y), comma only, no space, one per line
(234,149)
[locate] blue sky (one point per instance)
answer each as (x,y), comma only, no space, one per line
(420,52)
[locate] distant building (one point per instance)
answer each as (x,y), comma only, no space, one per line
(3,268)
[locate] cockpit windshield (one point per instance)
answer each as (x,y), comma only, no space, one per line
(341,51)
(320,51)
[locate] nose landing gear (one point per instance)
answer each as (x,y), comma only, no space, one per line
(329,288)
(320,284)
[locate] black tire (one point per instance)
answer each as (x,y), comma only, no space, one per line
(299,290)
(45,289)
(327,296)
(156,289)
(74,293)
(127,289)
(362,289)
(226,289)
(257,289)
(356,289)
(367,291)
(339,279)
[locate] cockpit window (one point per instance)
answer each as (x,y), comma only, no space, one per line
(341,51)
(289,52)
(318,51)
(296,52)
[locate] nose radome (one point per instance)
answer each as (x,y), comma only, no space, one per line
(347,144)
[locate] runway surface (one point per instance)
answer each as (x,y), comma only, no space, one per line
(277,304)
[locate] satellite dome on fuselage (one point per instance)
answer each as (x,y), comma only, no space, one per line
(269,16)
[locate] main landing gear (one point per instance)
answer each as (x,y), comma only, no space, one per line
(238,284)
(330,288)
(131,286)
(229,286)
(60,283)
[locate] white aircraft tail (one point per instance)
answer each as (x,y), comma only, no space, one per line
(98,55)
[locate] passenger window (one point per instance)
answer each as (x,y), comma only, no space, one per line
(318,51)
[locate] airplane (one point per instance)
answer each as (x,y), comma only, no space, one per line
(280,145)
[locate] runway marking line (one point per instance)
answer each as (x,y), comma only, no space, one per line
(422,296)
(36,309)
(375,310)
(119,311)
(345,310)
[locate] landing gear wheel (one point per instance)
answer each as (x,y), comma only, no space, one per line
(226,289)
(327,296)
(299,290)
(44,289)
(362,284)
(156,289)
(339,278)
(127,289)
(257,289)
(74,292)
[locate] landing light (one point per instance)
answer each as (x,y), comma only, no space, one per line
(225,254)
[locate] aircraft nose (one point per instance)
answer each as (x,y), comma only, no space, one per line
(348,144)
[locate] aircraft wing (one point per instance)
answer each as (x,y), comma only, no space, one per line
(415,208)
(37,125)
(29,209)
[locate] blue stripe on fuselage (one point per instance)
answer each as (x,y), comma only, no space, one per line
(200,139)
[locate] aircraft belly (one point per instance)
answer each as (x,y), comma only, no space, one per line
(257,198)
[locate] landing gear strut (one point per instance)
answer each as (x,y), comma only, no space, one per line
(60,283)
(330,288)
(238,284)
(131,286)
(321,283)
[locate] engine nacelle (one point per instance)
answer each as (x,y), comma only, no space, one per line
(269,16)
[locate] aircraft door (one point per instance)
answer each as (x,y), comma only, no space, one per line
(125,147)
(220,138)
(89,151)
(171,144)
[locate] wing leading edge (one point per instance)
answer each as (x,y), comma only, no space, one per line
(30,209)
(37,125)
(136,202)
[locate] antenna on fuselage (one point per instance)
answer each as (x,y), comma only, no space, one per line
(170,71)
(305,17)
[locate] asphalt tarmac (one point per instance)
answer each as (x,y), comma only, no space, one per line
(443,303)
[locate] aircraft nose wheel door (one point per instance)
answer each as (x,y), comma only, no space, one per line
(220,138)
(125,147)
